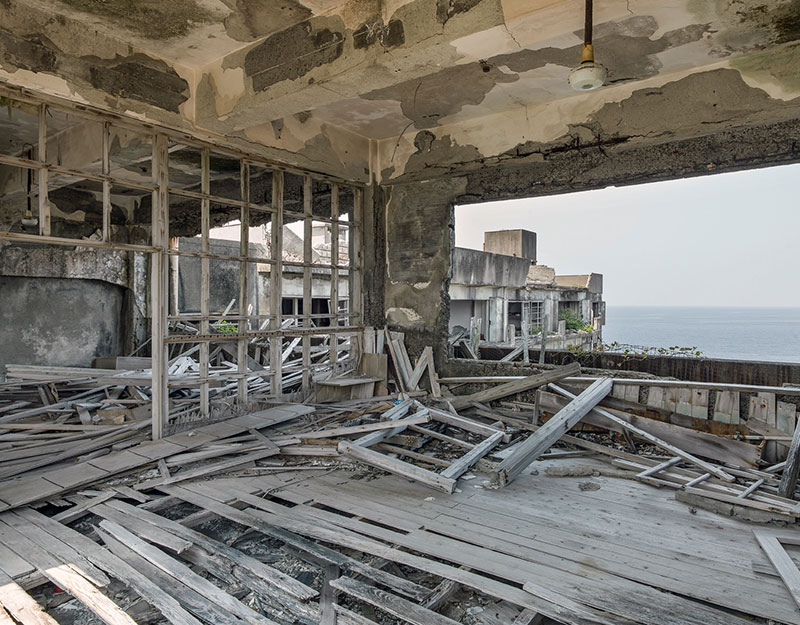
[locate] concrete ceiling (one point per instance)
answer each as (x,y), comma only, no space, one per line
(372,86)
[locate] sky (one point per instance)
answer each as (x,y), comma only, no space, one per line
(728,239)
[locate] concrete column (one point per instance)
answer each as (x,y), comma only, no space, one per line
(497,319)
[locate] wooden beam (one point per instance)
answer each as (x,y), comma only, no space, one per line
(544,438)
(782,562)
(398,467)
(460,466)
(792,468)
(275,282)
(243,326)
(308,254)
(517,386)
(159,291)
(672,449)
(394,605)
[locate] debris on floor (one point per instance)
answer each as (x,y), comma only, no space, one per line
(385,498)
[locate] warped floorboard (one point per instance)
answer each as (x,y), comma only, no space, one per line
(624,536)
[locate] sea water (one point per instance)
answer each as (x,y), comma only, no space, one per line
(770,334)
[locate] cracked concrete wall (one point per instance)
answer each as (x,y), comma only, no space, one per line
(661,111)
(419,218)
(64,307)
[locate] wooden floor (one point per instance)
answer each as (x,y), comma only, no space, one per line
(590,550)
(620,546)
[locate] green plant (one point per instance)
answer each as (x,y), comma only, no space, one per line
(631,352)
(225,327)
(573,321)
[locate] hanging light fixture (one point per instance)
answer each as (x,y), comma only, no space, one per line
(588,75)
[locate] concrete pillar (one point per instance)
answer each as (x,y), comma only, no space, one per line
(497,320)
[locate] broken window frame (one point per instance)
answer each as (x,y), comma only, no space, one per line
(160,250)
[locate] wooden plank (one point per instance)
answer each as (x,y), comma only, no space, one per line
(212,501)
(460,466)
(208,469)
(59,550)
(186,598)
(544,438)
(726,407)
(20,604)
(386,601)
(699,443)
(367,427)
(461,422)
(183,574)
(276,578)
(380,461)
(792,469)
(394,414)
(348,617)
(328,594)
(78,511)
(114,566)
(517,386)
(782,562)
(422,365)
(65,576)
(441,594)
(145,530)
(708,468)
(528,617)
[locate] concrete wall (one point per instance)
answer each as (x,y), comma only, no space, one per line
(694,369)
(224,276)
(460,313)
(591,281)
(59,321)
(519,243)
(541,274)
(473,267)
(65,306)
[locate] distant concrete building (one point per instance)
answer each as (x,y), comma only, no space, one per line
(502,285)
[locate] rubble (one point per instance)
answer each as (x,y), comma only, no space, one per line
(349,510)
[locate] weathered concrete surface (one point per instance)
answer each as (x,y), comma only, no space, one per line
(223,277)
(472,267)
(519,243)
(59,322)
(391,89)
(419,241)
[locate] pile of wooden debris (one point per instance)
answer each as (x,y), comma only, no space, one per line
(386,498)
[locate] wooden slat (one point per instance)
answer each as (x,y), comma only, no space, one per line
(544,438)
(258,569)
(707,467)
(386,601)
(782,562)
(517,386)
(460,466)
(65,576)
(380,461)
(115,567)
(183,574)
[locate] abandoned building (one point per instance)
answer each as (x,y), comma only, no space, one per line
(502,292)
(209,428)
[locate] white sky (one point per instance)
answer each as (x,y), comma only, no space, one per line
(720,240)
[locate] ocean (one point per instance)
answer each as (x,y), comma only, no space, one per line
(770,334)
